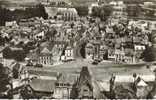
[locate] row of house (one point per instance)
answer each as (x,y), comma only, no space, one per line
(50,53)
(117,55)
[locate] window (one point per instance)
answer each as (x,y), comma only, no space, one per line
(61,84)
(85,90)
(57,84)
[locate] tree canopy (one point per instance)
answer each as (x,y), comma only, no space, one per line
(102,12)
(4,80)
(17,14)
(82,10)
(149,54)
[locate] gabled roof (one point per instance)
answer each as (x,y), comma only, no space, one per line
(46,47)
(141,83)
(40,85)
(45,51)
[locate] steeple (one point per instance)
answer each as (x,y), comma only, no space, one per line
(84,84)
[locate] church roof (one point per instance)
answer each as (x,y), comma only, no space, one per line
(85,78)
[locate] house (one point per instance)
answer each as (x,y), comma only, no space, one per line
(15,40)
(64,85)
(69,53)
(103,52)
(139,47)
(141,88)
(42,88)
(128,86)
(45,57)
(48,53)
(11,24)
(89,51)
(45,54)
(111,55)
(130,56)
(96,44)
(120,55)
(119,8)
(58,49)
(60,45)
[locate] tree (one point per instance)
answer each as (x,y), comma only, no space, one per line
(74,92)
(2,41)
(15,70)
(82,10)
(19,55)
(27,93)
(41,11)
(4,81)
(50,35)
(102,12)
(149,54)
(7,53)
(124,92)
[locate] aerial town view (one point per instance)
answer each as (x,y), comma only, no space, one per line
(77,49)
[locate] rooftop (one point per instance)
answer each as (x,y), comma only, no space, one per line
(42,85)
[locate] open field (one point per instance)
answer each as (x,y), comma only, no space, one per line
(101,71)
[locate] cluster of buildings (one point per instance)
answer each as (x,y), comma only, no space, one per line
(41,83)
(54,40)
(33,48)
